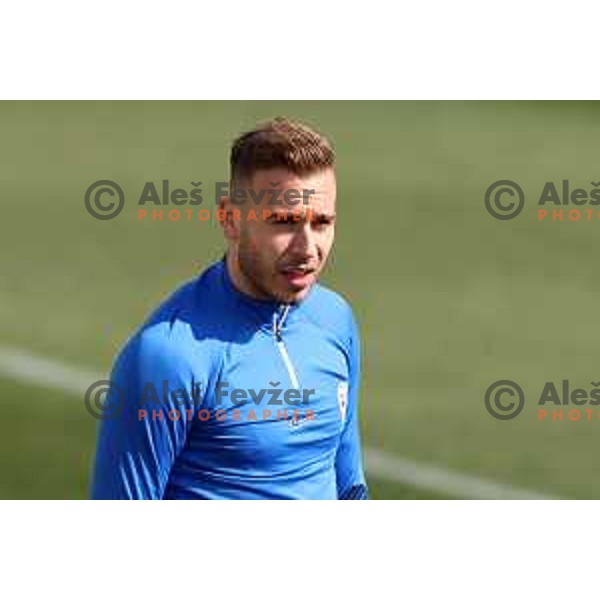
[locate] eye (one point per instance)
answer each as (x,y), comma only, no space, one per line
(282,219)
(322,222)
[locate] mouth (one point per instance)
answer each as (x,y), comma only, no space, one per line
(298,276)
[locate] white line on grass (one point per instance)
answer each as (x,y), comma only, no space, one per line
(443,481)
(46,373)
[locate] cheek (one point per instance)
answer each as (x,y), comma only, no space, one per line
(326,242)
(255,239)
(263,247)
(273,241)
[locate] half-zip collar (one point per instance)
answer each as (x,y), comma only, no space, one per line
(269,315)
(279,320)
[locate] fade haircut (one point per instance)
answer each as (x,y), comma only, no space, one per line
(277,143)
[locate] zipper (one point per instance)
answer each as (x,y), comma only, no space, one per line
(278,321)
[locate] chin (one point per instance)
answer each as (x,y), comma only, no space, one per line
(289,294)
(292,296)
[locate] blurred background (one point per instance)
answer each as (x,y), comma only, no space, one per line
(449,299)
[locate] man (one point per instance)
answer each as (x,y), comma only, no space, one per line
(259,362)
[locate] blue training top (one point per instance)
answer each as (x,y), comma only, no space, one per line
(220,395)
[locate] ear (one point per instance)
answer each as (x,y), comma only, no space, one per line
(227,220)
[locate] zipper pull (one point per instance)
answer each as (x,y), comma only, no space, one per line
(276,328)
(278,321)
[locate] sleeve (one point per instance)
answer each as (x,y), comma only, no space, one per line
(351,483)
(138,445)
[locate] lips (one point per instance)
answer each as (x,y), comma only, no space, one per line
(298,275)
(297,269)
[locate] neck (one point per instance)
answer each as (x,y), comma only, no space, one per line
(239,280)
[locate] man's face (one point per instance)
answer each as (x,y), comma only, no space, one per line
(281,255)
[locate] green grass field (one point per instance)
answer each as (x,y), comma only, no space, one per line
(448,298)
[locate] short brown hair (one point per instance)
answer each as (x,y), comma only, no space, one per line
(280,142)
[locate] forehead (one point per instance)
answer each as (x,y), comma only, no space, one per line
(318,187)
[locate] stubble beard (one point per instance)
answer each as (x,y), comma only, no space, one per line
(256,275)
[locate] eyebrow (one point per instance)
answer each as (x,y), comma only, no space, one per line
(280,215)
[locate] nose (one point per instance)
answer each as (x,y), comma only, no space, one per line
(304,244)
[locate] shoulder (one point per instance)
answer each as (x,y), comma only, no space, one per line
(331,311)
(196,302)
(172,334)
